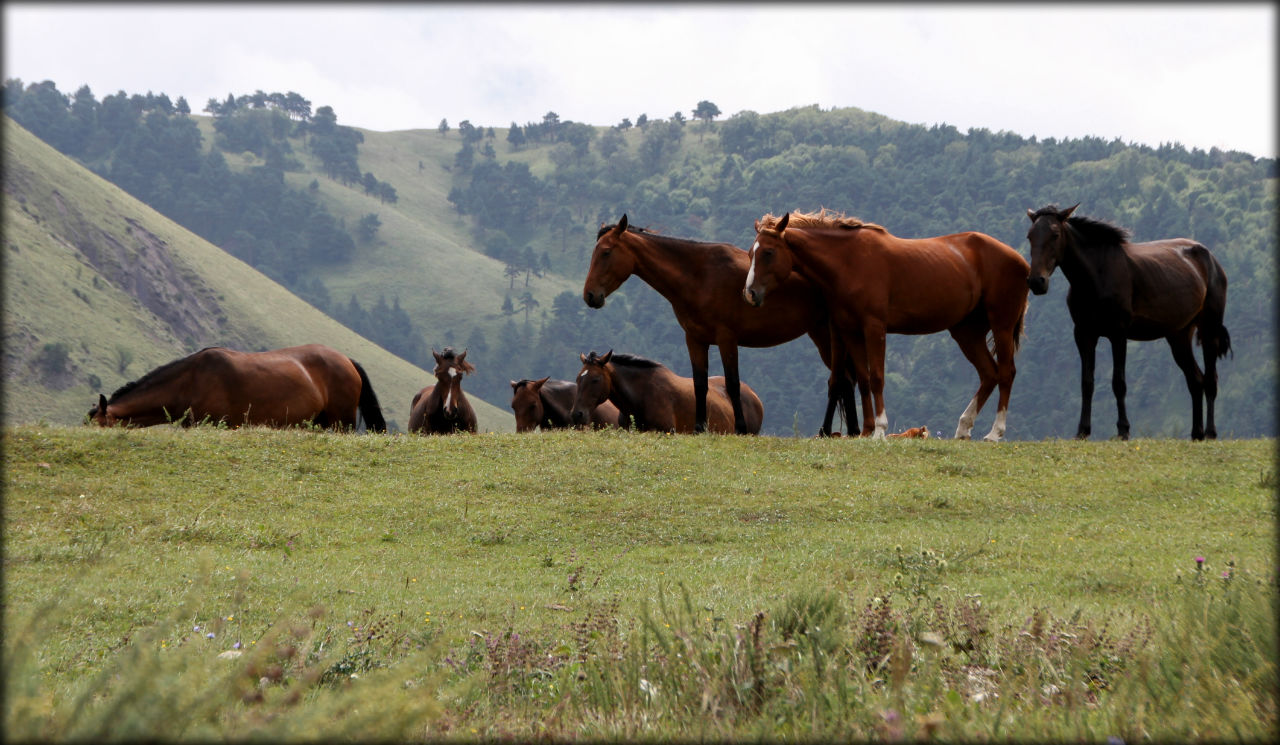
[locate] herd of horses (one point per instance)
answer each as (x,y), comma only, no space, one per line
(844,283)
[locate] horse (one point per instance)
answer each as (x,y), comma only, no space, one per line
(547,403)
(443,408)
(920,433)
(279,388)
(703,281)
(875,283)
(655,398)
(1172,289)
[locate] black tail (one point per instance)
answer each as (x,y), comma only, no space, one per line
(1224,343)
(369,407)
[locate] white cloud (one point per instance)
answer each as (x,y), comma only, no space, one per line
(1199,75)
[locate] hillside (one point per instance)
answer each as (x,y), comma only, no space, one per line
(94,279)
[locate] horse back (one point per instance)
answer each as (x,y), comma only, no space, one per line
(1174,283)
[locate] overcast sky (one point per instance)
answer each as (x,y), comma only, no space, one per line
(1199,75)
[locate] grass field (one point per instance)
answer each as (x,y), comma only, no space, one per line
(633,585)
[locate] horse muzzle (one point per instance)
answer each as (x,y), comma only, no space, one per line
(754,298)
(1038,285)
(593,299)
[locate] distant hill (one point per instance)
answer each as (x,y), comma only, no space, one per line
(99,289)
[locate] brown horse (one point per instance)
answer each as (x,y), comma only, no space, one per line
(655,398)
(280,388)
(876,284)
(703,283)
(443,408)
(1142,291)
(547,403)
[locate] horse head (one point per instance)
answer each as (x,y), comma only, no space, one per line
(595,382)
(99,414)
(770,259)
(1048,237)
(450,367)
(611,264)
(526,402)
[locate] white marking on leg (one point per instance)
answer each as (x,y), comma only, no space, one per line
(965,427)
(997,429)
(882,424)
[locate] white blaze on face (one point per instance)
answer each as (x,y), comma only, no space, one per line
(448,398)
(751,273)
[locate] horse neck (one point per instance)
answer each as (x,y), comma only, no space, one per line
(666,264)
(155,402)
(817,260)
(1084,265)
(557,402)
(627,390)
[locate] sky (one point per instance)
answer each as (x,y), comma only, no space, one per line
(1201,75)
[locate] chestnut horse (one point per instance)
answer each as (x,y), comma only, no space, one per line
(281,388)
(655,398)
(443,408)
(703,283)
(1166,289)
(547,403)
(876,284)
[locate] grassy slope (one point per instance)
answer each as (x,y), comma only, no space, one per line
(44,263)
(484,532)
(423,252)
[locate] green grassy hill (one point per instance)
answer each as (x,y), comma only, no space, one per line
(423,253)
(93,277)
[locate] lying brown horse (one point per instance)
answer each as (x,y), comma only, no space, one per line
(921,433)
(443,408)
(1166,289)
(281,388)
(655,398)
(876,284)
(703,283)
(547,403)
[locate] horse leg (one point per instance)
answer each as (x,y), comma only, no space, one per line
(1209,344)
(1180,343)
(1085,344)
(698,360)
(732,385)
(1119,349)
(972,340)
(1006,370)
(862,380)
(873,337)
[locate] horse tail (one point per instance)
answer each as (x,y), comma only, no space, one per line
(369,407)
(1019,331)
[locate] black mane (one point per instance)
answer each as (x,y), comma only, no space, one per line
(626,360)
(157,376)
(658,237)
(1089,230)
(1098,232)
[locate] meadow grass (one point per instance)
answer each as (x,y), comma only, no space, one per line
(638,586)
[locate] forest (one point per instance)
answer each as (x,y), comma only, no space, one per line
(534,196)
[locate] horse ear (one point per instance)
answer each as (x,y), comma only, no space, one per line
(782,224)
(102,404)
(756,225)
(514,384)
(463,356)
(605,359)
(537,384)
(1031,214)
(622,223)
(1067,212)
(582,357)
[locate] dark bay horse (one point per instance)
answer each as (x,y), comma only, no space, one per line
(1165,289)
(443,408)
(655,397)
(279,388)
(875,283)
(548,403)
(703,283)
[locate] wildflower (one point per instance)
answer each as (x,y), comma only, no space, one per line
(209,635)
(236,645)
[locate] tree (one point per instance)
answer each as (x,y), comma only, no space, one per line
(515,136)
(528,303)
(705,112)
(367,229)
(443,129)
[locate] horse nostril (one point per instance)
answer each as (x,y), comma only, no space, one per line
(1038,285)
